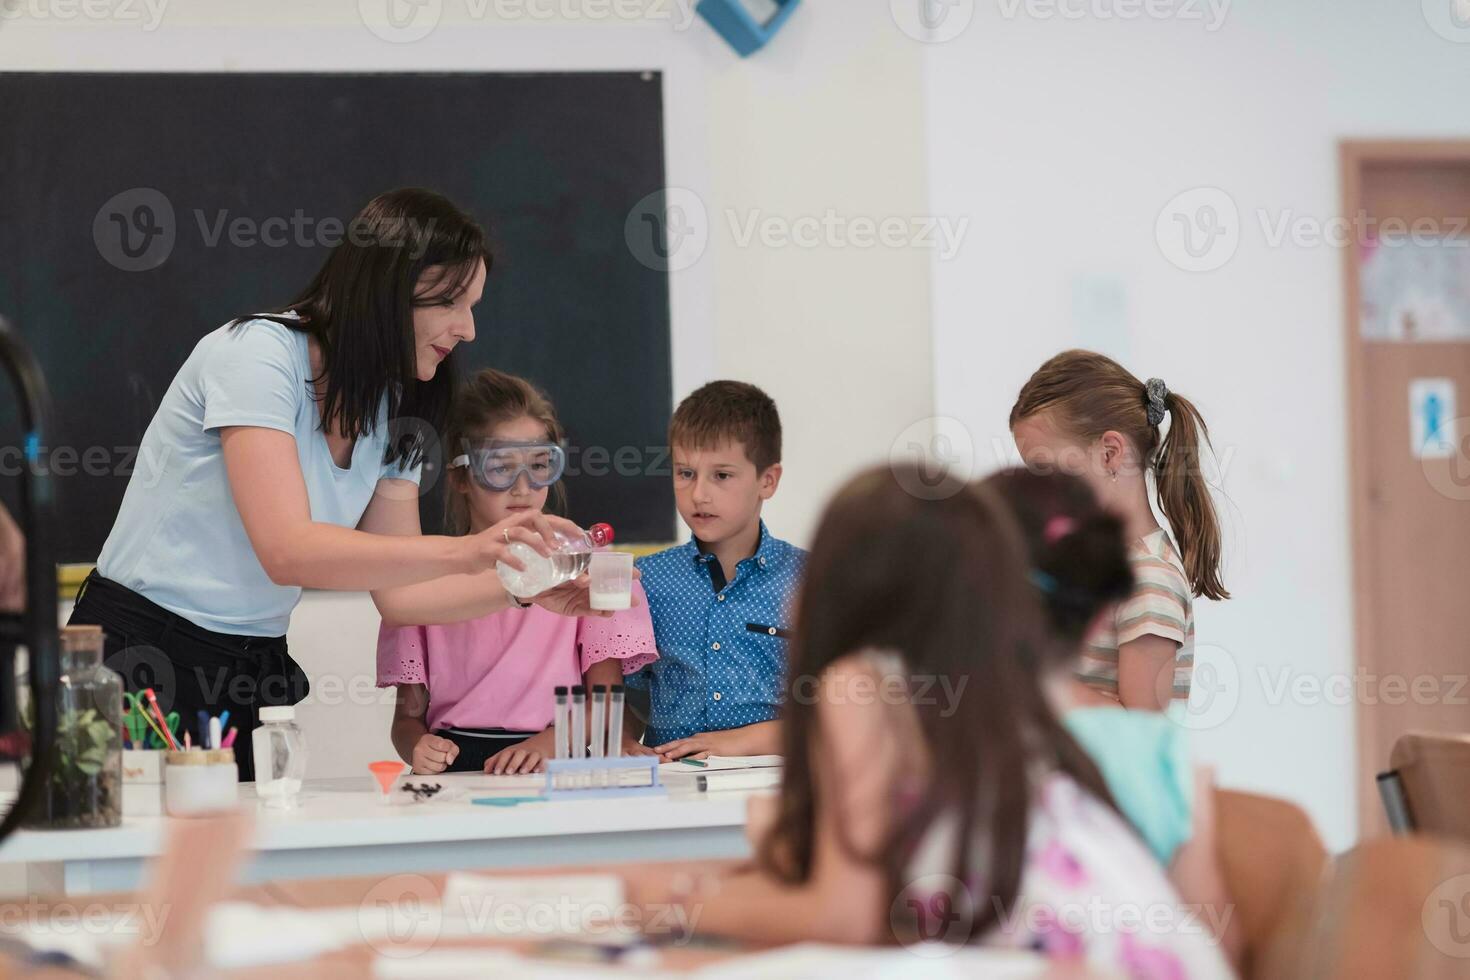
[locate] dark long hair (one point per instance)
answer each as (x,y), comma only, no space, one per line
(359,309)
(943,584)
(1079,559)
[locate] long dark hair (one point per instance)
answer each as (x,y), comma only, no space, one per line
(1091,393)
(359,309)
(943,584)
(1079,559)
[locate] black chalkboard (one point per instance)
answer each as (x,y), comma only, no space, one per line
(550,164)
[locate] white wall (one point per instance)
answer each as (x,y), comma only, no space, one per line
(828,117)
(1065,139)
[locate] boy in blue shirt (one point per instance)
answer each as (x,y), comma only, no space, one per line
(720,602)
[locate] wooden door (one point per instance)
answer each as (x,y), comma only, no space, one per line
(1411,516)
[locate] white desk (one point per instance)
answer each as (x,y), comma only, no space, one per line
(341,828)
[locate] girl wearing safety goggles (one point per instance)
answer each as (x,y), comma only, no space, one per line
(477,695)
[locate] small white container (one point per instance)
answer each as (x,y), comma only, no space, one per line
(200,781)
(611,585)
(280,757)
(142,782)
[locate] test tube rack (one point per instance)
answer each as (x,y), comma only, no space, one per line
(601,778)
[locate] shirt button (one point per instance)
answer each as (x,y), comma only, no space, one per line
(763,563)
(720,597)
(717,695)
(715,645)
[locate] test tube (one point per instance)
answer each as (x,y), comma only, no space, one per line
(599,719)
(560,721)
(615,722)
(579,722)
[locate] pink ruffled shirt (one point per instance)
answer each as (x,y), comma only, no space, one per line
(498,671)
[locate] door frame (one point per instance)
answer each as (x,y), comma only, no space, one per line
(1355,155)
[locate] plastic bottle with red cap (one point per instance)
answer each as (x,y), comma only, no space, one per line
(569,558)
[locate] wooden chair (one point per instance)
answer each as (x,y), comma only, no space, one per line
(1395,907)
(1273,863)
(1433,773)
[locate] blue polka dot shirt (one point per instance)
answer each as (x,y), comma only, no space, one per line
(721,645)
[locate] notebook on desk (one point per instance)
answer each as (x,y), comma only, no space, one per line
(718,763)
(735,772)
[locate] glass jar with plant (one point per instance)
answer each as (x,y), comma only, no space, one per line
(85,788)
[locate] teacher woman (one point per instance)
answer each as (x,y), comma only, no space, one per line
(277,468)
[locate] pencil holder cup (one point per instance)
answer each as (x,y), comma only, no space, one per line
(142,790)
(200,782)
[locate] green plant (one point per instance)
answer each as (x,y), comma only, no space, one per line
(84,739)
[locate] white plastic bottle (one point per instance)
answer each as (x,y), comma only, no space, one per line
(280,757)
(570,558)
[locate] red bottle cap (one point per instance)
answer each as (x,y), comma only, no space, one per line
(602,534)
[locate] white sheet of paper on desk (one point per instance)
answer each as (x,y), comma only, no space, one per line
(553,905)
(238,935)
(816,961)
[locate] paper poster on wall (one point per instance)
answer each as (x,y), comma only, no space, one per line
(1415,289)
(1432,418)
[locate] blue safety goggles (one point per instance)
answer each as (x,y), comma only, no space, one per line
(497,464)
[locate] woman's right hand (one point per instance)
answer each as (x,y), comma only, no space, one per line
(432,754)
(530,527)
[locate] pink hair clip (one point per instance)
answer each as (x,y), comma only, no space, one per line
(1057,528)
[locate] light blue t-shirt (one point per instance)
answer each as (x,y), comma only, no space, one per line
(178,539)
(1144,759)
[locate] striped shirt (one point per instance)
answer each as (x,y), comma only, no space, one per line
(1161,605)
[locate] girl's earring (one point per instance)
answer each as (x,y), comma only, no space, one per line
(1115,476)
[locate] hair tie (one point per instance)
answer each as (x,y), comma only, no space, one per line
(1057,528)
(1157,395)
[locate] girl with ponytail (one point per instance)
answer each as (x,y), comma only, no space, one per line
(1085,414)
